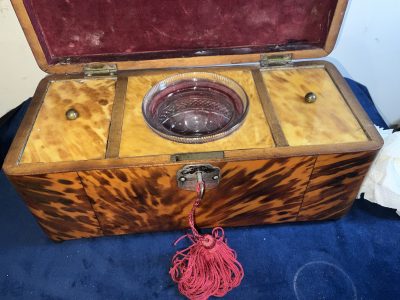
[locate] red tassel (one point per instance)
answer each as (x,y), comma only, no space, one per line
(208,267)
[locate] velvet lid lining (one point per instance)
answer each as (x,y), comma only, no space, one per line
(77,31)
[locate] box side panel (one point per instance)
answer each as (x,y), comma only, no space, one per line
(60,205)
(148,199)
(334,184)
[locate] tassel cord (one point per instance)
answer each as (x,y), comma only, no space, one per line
(208,267)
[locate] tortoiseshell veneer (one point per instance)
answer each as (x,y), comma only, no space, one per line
(76,188)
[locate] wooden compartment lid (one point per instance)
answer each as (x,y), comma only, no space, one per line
(65,35)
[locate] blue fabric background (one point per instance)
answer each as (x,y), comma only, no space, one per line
(356,257)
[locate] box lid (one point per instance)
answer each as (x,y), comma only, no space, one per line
(65,35)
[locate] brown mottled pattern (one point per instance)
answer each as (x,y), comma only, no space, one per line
(137,199)
(334,184)
(54,138)
(147,199)
(60,205)
(257,192)
(144,199)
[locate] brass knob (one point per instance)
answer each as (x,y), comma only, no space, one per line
(310,97)
(72,114)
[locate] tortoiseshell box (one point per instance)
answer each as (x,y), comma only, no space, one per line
(107,173)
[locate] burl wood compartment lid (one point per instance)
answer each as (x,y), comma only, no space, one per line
(327,121)
(54,139)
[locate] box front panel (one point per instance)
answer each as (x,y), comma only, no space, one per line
(148,199)
(132,200)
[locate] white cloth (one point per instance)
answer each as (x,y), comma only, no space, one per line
(382,183)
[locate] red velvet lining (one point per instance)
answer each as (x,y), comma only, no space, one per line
(112,30)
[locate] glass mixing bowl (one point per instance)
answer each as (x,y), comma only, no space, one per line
(196,107)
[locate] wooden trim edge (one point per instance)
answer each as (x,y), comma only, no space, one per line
(30,35)
(115,131)
(269,110)
(336,25)
(355,107)
(164,160)
(21,137)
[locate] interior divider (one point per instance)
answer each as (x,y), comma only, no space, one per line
(117,117)
(269,111)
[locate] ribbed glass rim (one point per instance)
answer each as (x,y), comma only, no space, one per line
(195,76)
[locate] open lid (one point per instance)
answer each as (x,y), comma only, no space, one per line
(65,35)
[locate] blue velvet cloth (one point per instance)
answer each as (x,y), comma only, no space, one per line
(356,257)
(363,96)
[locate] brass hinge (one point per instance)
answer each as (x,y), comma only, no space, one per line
(92,70)
(275,60)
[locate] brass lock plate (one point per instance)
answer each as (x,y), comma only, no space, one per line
(187,177)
